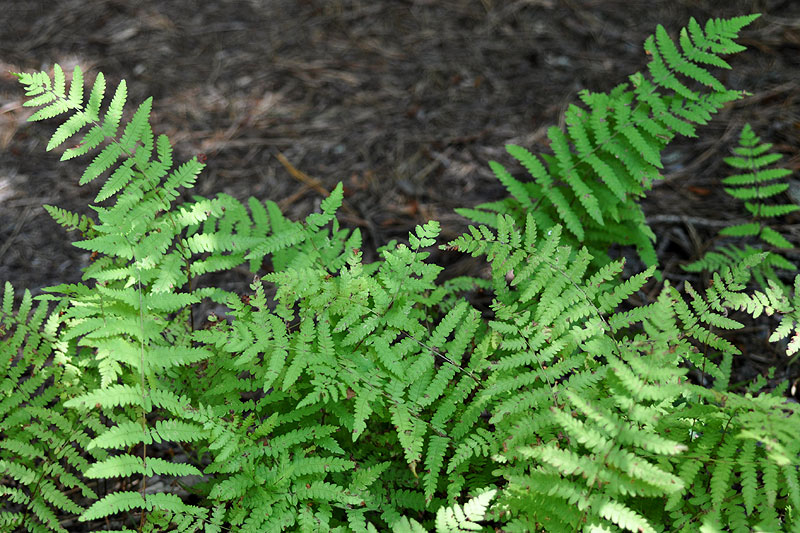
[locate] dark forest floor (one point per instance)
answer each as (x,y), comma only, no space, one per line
(403,101)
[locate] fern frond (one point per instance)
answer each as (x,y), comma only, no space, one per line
(611,152)
(340,395)
(40,459)
(756,184)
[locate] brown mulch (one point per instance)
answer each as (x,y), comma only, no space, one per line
(403,101)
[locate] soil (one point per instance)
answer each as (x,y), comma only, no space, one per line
(404,101)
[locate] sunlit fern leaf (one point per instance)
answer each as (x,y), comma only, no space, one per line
(464,518)
(408,525)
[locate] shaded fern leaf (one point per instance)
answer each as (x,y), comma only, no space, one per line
(756,182)
(41,452)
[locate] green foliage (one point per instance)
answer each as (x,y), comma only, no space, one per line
(610,154)
(757,182)
(43,446)
(339,395)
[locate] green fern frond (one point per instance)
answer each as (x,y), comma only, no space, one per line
(458,518)
(40,450)
(71,221)
(756,184)
(790,321)
(610,154)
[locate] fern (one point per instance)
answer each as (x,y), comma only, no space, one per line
(42,459)
(454,518)
(339,395)
(757,182)
(754,454)
(610,154)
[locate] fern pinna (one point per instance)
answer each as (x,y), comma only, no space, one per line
(610,154)
(756,182)
(339,395)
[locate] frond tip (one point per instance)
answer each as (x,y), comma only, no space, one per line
(756,182)
(610,153)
